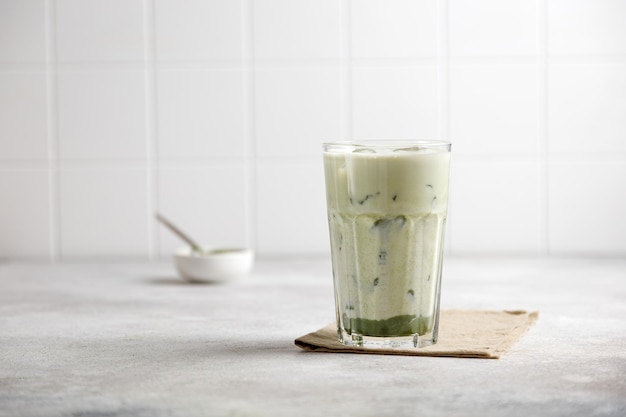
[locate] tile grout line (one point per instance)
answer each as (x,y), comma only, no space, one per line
(152,164)
(542,125)
(361,63)
(345,65)
(443,80)
(443,63)
(54,206)
(249,97)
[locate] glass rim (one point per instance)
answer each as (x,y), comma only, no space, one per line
(387,143)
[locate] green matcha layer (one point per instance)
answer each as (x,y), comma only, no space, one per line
(404,325)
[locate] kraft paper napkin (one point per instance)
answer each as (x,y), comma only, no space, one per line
(462,333)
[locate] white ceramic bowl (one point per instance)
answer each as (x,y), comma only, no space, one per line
(217,265)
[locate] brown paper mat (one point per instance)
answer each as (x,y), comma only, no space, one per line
(462,334)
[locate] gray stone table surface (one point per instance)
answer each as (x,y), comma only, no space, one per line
(131,339)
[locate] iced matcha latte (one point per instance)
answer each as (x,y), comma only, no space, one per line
(387,204)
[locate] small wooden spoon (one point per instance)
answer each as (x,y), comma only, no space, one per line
(194,245)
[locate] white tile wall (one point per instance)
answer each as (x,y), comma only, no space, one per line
(24,214)
(493,108)
(493,27)
(394,29)
(586,27)
(23,118)
(296,30)
(197,30)
(587,107)
(291,213)
(213,111)
(112,125)
(496,205)
(587,204)
(395,102)
(22,31)
(200,113)
(206,200)
(100,31)
(103,211)
(288,99)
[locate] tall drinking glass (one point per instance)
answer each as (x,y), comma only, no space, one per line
(387,206)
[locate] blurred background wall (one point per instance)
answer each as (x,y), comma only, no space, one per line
(213,111)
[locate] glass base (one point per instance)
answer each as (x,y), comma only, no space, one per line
(395,342)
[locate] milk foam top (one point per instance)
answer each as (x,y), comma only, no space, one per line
(387,177)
